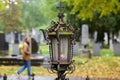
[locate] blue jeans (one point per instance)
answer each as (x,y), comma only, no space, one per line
(27,64)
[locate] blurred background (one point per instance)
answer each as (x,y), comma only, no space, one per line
(101,33)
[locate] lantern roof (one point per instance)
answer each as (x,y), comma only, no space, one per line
(64,29)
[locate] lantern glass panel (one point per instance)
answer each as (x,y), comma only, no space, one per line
(55,49)
(64,53)
(63,49)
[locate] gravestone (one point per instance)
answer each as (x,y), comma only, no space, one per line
(16,43)
(111,42)
(96,45)
(85,52)
(34,46)
(96,48)
(13,39)
(9,38)
(105,38)
(116,47)
(3,44)
(36,34)
(46,63)
(35,40)
(15,51)
(85,39)
(76,49)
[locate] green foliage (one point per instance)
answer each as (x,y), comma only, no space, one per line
(31,14)
(1,26)
(11,17)
(28,14)
(85,9)
(38,15)
(49,9)
(109,22)
(2,6)
(100,15)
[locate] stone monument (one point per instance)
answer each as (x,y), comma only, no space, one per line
(13,39)
(85,51)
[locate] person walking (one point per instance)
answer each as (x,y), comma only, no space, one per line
(26,55)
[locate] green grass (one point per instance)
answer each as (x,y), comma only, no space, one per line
(44,48)
(106,52)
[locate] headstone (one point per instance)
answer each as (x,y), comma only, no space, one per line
(95,36)
(105,38)
(85,52)
(36,34)
(36,37)
(116,47)
(3,43)
(13,39)
(85,38)
(34,46)
(76,49)
(96,48)
(111,42)
(15,51)
(46,63)
(10,39)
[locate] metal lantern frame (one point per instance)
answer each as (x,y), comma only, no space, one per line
(60,38)
(59,66)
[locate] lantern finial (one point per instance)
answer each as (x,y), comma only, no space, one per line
(60,14)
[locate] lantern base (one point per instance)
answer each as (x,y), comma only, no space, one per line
(62,69)
(61,76)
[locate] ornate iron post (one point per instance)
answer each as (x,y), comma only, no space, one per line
(61,38)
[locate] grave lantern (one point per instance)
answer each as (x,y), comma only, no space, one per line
(60,38)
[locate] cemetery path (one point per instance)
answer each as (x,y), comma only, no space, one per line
(52,78)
